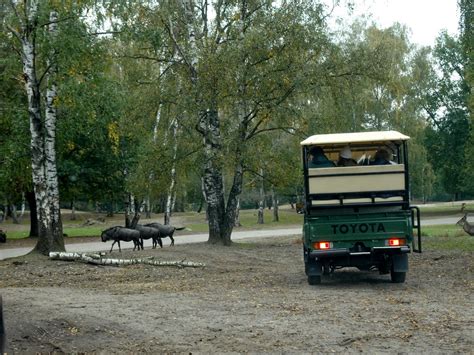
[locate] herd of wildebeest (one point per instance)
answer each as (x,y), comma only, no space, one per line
(154,231)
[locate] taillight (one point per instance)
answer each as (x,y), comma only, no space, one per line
(322,245)
(395,242)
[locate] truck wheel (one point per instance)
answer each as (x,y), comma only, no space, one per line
(397,277)
(314,280)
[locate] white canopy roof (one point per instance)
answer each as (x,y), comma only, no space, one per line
(360,137)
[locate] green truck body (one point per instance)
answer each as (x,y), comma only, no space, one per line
(358,216)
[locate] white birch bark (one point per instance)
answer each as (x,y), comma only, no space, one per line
(23,205)
(36,141)
(155,139)
(237,215)
(98,259)
(171,189)
(157,122)
(43,155)
(192,58)
(51,172)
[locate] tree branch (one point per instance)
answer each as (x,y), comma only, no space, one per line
(104,33)
(44,73)
(57,21)
(15,32)
(178,47)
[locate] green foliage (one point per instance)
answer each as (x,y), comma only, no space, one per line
(279,66)
(15,172)
(446,104)
(467,44)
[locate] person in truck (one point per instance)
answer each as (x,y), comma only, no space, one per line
(319,159)
(382,157)
(345,157)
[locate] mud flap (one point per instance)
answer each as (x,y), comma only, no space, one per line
(313,268)
(400,262)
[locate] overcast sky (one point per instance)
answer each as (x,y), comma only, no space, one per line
(425,18)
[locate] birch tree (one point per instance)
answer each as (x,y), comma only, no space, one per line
(42,124)
(250,59)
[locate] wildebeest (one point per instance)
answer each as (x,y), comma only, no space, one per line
(3,237)
(119,233)
(147,232)
(165,230)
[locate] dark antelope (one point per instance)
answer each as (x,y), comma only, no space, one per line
(118,234)
(147,232)
(468,227)
(165,230)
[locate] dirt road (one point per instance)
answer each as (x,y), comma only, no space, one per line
(251,297)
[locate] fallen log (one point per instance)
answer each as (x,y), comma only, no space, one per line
(98,259)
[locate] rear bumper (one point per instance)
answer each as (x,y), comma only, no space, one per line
(321,254)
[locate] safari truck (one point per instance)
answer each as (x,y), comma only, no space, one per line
(360,215)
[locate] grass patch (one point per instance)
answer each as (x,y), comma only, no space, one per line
(92,231)
(17,234)
(446,237)
(248,219)
(445,210)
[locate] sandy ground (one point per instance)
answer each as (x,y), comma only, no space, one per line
(250,297)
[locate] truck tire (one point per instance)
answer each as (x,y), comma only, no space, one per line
(314,280)
(397,277)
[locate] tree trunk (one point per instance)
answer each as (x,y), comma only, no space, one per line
(201,202)
(55,240)
(14,214)
(204,198)
(209,126)
(171,190)
(128,209)
(23,205)
(73,210)
(43,157)
(262,189)
(276,218)
(138,209)
(237,215)
(260,213)
(147,207)
(30,197)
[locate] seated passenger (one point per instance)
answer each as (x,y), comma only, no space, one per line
(318,159)
(345,157)
(382,157)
